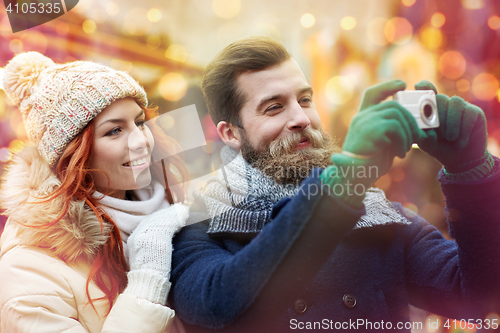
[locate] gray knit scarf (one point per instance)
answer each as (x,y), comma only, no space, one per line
(240,199)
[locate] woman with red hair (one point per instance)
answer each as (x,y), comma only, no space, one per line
(88,241)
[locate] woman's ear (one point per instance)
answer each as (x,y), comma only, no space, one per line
(229,134)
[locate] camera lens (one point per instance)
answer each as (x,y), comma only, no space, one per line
(427,111)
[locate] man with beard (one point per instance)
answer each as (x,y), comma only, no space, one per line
(293,242)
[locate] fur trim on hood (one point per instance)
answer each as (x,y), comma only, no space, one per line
(29,178)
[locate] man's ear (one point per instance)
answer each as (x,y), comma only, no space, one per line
(229,134)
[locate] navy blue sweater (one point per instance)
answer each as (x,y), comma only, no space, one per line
(309,267)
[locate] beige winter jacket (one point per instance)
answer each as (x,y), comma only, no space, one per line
(43,271)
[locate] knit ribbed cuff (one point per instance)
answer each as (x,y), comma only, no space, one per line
(148,285)
(483,170)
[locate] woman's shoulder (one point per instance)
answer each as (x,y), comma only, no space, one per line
(24,265)
(27,271)
(35,282)
(30,256)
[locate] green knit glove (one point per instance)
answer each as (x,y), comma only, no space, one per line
(379,132)
(459,144)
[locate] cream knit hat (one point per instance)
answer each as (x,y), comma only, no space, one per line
(58,100)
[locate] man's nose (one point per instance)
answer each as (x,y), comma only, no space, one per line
(298,118)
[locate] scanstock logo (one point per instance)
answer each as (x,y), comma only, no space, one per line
(28,14)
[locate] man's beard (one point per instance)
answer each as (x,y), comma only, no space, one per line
(283,162)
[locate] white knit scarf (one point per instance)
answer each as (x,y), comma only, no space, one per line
(128,214)
(240,199)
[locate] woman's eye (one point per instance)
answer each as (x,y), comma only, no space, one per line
(306,100)
(141,124)
(114,131)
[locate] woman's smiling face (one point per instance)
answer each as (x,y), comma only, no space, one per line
(122,148)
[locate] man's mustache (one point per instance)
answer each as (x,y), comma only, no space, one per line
(287,144)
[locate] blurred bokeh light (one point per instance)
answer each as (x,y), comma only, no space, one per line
(398,30)
(172,86)
(154,15)
(452,64)
(226,8)
(348,23)
(485,86)
(307,20)
(438,20)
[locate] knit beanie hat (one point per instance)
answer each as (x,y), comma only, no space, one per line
(58,100)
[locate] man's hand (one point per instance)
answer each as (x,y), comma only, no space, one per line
(384,130)
(378,133)
(460,141)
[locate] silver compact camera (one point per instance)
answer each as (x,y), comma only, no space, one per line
(422,105)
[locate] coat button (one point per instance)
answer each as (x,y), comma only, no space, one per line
(300,306)
(349,300)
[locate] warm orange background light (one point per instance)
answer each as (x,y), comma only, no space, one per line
(398,30)
(452,64)
(494,22)
(485,86)
(463,85)
(438,20)
(408,3)
(432,38)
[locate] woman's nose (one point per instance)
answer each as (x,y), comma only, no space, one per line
(137,140)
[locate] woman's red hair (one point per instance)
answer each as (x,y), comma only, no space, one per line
(109,267)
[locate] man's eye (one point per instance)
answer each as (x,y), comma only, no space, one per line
(274,108)
(114,131)
(306,100)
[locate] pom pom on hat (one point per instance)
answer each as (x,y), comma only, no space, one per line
(22,72)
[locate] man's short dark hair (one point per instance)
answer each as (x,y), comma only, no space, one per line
(219,84)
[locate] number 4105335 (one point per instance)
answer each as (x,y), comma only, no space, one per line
(33,8)
(471,324)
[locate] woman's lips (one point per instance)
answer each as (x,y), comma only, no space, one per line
(137,164)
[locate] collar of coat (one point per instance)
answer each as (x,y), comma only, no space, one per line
(27,179)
